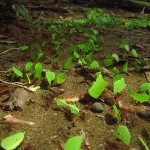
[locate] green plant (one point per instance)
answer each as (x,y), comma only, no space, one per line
(124,45)
(145,87)
(13,141)
(17,71)
(73,108)
(74,143)
(98,86)
(123,134)
(125,67)
(108,62)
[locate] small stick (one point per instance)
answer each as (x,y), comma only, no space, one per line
(9,50)
(16,84)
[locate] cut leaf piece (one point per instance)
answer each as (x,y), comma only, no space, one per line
(134,53)
(115,71)
(119,85)
(123,134)
(68,63)
(94,64)
(140,97)
(145,87)
(73,108)
(125,67)
(108,62)
(116,57)
(60,78)
(116,78)
(23,48)
(28,66)
(38,71)
(74,143)
(50,76)
(17,72)
(13,141)
(97,87)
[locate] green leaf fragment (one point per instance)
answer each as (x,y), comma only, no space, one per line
(94,64)
(125,67)
(123,134)
(60,78)
(108,62)
(134,53)
(97,87)
(72,107)
(38,71)
(119,85)
(50,76)
(145,87)
(74,143)
(116,57)
(25,47)
(68,63)
(117,112)
(28,66)
(13,141)
(115,71)
(17,72)
(140,97)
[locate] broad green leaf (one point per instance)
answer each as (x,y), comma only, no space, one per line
(72,107)
(13,141)
(28,66)
(123,134)
(134,53)
(17,72)
(97,87)
(94,31)
(50,76)
(116,78)
(115,71)
(117,112)
(140,97)
(119,85)
(60,78)
(108,62)
(76,54)
(74,143)
(126,47)
(38,71)
(23,48)
(23,12)
(145,87)
(125,67)
(116,57)
(94,64)
(144,143)
(68,63)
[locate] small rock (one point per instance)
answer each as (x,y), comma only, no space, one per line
(97,107)
(145,113)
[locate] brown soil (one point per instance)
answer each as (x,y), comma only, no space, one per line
(54,125)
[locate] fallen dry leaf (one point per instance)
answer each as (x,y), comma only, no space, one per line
(12,120)
(147,73)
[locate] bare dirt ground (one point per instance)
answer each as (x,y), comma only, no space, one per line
(54,125)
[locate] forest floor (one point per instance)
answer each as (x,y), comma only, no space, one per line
(53,124)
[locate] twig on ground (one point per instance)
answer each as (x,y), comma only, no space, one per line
(16,84)
(9,50)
